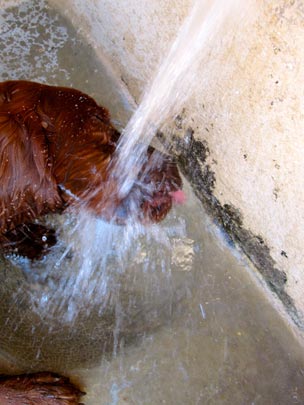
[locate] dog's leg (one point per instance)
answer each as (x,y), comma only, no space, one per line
(40,388)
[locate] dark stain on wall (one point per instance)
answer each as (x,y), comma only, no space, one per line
(192,155)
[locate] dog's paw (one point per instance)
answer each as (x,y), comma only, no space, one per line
(38,389)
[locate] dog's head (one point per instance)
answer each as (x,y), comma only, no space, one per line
(85,170)
(153,193)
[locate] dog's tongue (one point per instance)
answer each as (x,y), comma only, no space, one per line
(178,197)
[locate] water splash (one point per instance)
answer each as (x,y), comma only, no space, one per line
(103,266)
(173,82)
(96,257)
(103,253)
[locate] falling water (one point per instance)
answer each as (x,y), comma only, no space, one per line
(173,82)
(103,253)
(109,269)
(162,99)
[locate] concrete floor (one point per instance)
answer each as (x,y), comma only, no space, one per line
(186,320)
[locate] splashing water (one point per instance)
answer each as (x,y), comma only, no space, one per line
(173,83)
(163,98)
(102,252)
(105,266)
(96,257)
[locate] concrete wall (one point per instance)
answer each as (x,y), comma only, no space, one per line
(246,111)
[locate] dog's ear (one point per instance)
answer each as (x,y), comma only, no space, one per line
(27,187)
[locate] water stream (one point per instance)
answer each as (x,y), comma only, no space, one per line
(174,81)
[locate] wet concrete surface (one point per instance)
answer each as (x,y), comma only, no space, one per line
(183,319)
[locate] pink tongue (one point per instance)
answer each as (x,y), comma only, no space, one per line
(178,197)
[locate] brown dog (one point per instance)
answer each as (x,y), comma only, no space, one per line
(56,151)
